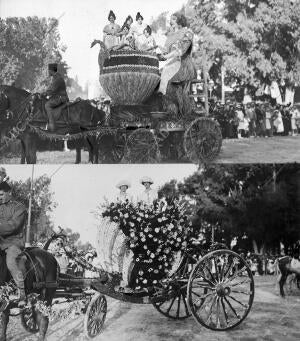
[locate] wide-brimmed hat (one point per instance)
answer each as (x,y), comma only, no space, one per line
(123,183)
(146,179)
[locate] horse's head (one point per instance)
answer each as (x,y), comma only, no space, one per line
(13,102)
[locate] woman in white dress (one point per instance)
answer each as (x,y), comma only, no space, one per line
(149,43)
(148,195)
(111,32)
(138,30)
(123,195)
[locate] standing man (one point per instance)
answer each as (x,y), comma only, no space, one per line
(57,94)
(12,236)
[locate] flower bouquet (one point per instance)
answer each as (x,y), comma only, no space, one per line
(154,234)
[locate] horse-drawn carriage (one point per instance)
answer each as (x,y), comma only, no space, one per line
(141,126)
(216,287)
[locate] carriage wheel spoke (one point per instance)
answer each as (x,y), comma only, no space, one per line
(211,309)
(224,310)
(171,305)
(237,301)
(227,272)
(217,270)
(185,305)
(236,274)
(218,321)
(241,292)
(247,280)
(178,306)
(231,307)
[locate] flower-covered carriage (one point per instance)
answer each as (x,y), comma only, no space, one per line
(152,250)
(152,126)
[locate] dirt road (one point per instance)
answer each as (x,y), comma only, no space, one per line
(271,318)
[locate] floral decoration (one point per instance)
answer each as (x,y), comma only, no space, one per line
(154,234)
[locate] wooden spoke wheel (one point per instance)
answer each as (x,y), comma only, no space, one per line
(111,148)
(95,316)
(203,140)
(142,147)
(174,294)
(29,321)
(220,290)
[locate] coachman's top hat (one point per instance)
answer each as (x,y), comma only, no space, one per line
(52,67)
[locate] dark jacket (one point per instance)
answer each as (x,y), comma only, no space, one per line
(57,86)
(12,221)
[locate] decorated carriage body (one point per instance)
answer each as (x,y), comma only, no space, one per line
(144,121)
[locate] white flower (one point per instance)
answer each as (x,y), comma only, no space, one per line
(146,229)
(137,259)
(156,229)
(143,239)
(132,234)
(139,219)
(145,247)
(159,220)
(150,235)
(126,215)
(145,281)
(178,239)
(152,255)
(155,281)
(131,224)
(141,272)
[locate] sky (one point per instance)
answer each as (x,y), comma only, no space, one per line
(78,190)
(82,21)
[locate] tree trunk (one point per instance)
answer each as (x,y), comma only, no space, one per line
(223,84)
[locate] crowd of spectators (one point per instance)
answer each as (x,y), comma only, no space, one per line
(256,119)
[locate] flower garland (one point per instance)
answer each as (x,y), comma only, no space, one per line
(154,234)
(72,310)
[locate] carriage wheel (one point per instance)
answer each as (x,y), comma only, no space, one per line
(142,147)
(28,320)
(175,307)
(95,316)
(203,140)
(220,290)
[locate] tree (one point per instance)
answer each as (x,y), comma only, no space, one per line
(42,205)
(245,202)
(255,41)
(27,46)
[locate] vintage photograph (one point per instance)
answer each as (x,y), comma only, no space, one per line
(113,251)
(149,82)
(149,170)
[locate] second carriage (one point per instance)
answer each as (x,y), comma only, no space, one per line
(144,126)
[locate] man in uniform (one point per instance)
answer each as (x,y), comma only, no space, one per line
(57,94)
(12,220)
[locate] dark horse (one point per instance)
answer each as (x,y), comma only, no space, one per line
(19,103)
(39,267)
(284,265)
